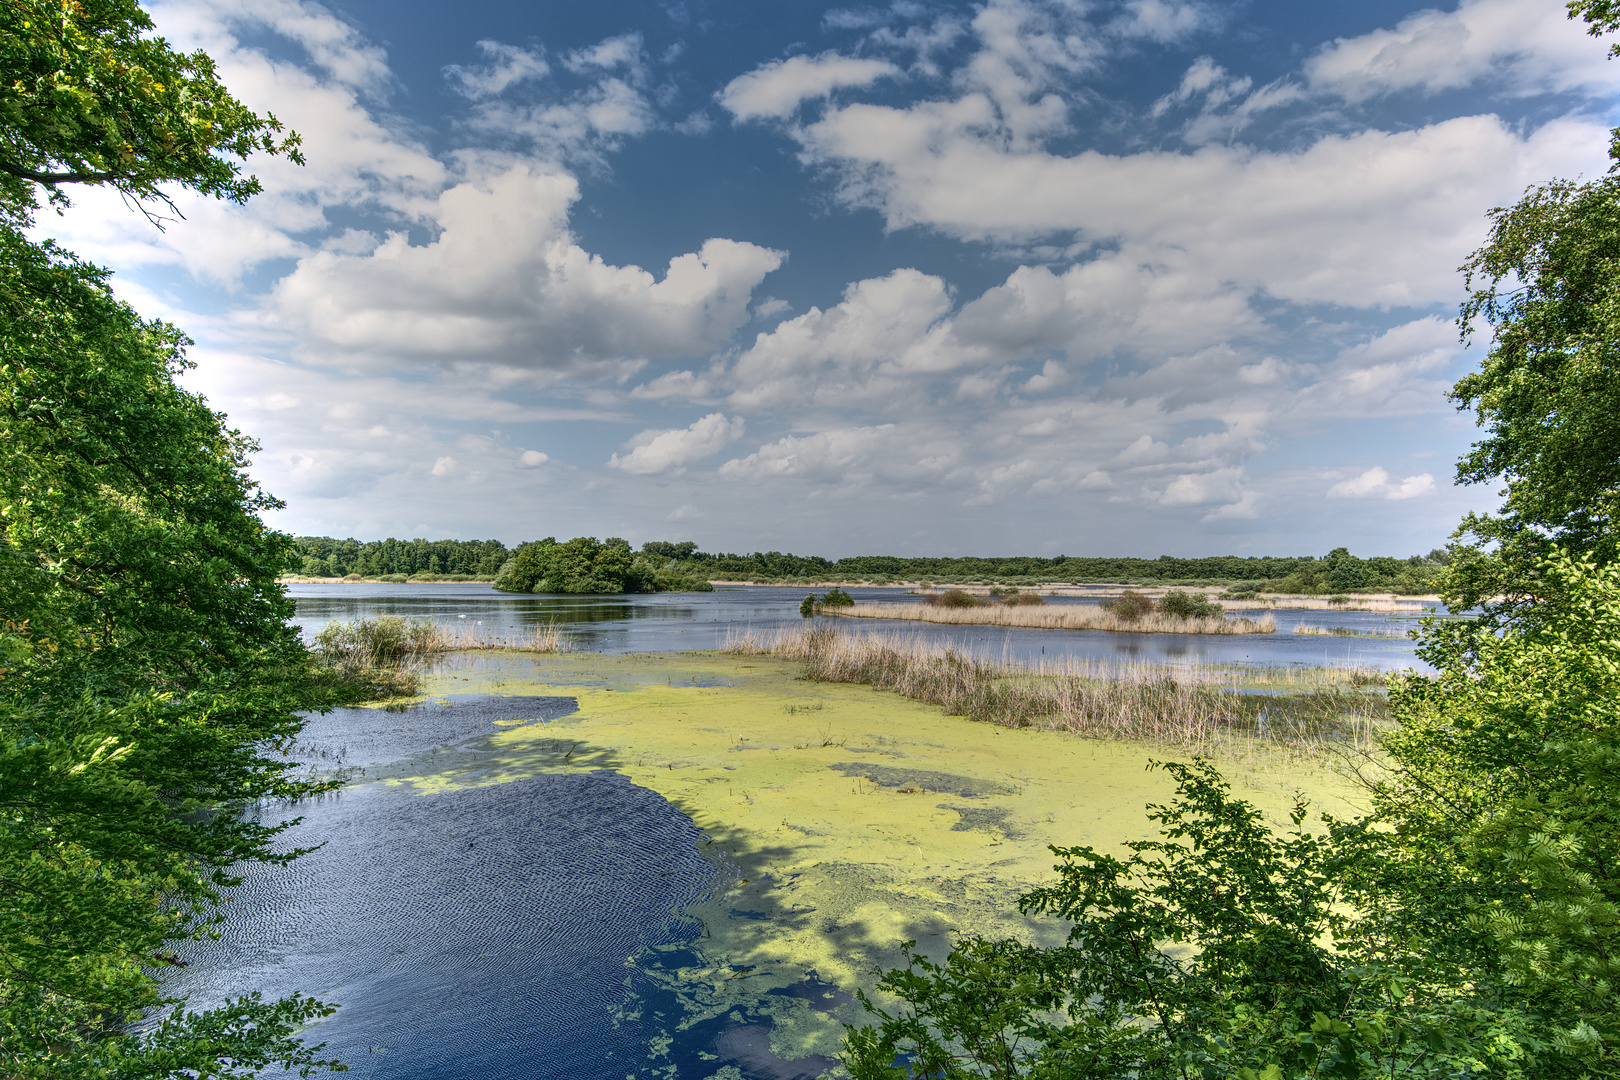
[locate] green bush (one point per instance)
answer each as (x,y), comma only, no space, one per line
(837,598)
(1187,605)
(953,598)
(1129,605)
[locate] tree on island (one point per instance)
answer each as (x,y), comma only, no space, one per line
(149,682)
(584,565)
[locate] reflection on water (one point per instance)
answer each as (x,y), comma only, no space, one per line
(670,622)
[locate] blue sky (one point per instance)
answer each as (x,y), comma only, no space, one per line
(1024,276)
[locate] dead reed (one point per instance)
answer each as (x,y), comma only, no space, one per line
(1192,711)
(1056,617)
(1348,631)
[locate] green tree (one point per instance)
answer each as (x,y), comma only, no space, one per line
(1548,390)
(148,680)
(88,96)
(1547,284)
(584,565)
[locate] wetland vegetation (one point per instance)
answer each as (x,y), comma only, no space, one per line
(1130,618)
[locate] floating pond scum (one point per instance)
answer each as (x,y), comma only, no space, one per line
(678,866)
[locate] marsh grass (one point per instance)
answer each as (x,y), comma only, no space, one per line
(374,659)
(951,598)
(1347,631)
(1200,711)
(1057,617)
(1385,604)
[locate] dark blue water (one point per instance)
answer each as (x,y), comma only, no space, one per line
(515,930)
(679,621)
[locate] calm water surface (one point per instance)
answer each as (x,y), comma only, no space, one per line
(676,621)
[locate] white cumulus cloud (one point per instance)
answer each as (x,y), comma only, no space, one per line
(673,450)
(776,89)
(1376,483)
(505,283)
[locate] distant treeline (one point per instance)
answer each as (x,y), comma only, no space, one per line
(326,557)
(1339,571)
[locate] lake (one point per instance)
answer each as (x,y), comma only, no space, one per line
(665,622)
(541,926)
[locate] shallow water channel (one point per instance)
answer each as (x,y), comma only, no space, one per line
(534,927)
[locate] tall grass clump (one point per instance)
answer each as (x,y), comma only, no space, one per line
(372,659)
(1145,703)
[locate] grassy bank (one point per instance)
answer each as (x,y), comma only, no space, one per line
(1055,617)
(1192,710)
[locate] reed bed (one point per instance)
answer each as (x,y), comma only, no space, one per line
(394,641)
(1386,605)
(1055,617)
(1192,711)
(1348,631)
(373,659)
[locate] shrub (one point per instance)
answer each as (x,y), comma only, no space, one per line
(953,598)
(1187,605)
(1022,599)
(837,598)
(1130,605)
(1338,598)
(807,606)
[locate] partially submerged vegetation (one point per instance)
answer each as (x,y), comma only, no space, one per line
(1057,617)
(373,659)
(1191,710)
(1349,631)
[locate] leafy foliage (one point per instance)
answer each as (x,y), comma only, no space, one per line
(1130,605)
(1468,926)
(325,557)
(88,96)
(584,565)
(1210,952)
(148,679)
(1548,391)
(1187,605)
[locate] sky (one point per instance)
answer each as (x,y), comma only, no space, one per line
(1036,277)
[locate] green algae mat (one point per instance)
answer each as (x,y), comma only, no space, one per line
(844,820)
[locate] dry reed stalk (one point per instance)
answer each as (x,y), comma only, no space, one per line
(1347,631)
(1065,617)
(1384,604)
(460,637)
(1152,704)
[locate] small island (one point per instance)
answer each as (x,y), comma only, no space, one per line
(584,565)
